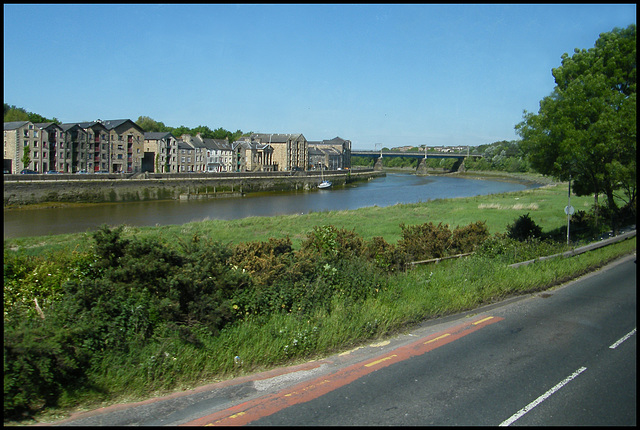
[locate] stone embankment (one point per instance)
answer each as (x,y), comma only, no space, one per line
(100,188)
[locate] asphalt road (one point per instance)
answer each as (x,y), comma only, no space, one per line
(566,356)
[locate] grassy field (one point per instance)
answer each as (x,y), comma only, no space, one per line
(545,206)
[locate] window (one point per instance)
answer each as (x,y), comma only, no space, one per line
(35,144)
(35,133)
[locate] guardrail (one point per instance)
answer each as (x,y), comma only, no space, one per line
(580,250)
(573,252)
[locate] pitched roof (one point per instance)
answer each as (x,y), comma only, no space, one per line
(275,137)
(217,144)
(110,124)
(14,125)
(156,135)
(69,125)
(184,145)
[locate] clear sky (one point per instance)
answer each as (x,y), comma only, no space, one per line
(391,74)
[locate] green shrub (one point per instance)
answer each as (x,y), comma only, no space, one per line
(424,241)
(41,361)
(332,244)
(385,255)
(524,228)
(467,239)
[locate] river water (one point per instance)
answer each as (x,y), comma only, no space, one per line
(386,191)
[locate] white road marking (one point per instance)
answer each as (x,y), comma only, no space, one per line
(627,336)
(541,399)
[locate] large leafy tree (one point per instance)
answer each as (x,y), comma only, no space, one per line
(586,128)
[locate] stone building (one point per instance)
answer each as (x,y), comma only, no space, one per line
(160,152)
(40,140)
(330,154)
(126,145)
(290,151)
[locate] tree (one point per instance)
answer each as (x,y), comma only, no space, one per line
(586,128)
(13,113)
(26,157)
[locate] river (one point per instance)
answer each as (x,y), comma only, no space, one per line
(385,191)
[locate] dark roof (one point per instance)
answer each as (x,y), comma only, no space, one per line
(14,125)
(184,145)
(217,144)
(110,124)
(156,135)
(276,138)
(68,125)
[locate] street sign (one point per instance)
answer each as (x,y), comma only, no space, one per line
(569,210)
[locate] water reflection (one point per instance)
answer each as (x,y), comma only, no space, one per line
(387,191)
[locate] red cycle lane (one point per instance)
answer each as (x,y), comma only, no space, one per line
(252,410)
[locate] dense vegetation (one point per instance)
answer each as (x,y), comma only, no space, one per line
(13,113)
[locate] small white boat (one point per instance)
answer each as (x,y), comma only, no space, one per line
(324,184)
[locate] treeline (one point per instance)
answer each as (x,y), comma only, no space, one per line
(14,113)
(149,124)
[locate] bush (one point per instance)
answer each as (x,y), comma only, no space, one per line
(467,239)
(266,262)
(332,244)
(424,241)
(385,255)
(41,361)
(524,228)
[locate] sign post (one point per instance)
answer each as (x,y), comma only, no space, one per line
(569,210)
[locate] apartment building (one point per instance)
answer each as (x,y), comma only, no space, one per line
(73,151)
(126,145)
(37,143)
(93,155)
(161,152)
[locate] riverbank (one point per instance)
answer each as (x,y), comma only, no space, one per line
(497,210)
(46,190)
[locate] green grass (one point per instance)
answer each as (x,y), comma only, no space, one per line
(545,206)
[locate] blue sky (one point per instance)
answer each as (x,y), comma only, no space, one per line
(391,74)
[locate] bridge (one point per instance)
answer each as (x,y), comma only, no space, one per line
(422,155)
(414,154)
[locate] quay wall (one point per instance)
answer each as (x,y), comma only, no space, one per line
(100,188)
